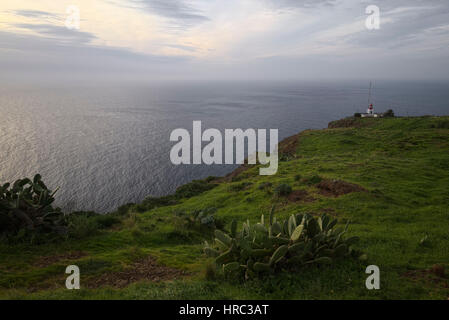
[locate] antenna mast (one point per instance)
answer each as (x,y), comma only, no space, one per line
(369,96)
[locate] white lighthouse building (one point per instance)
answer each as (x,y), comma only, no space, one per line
(370,112)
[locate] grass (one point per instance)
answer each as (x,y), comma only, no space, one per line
(403,163)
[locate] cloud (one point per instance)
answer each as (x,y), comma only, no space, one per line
(181,13)
(417,23)
(300,3)
(58,32)
(387,5)
(182,47)
(46,58)
(35,14)
(252,38)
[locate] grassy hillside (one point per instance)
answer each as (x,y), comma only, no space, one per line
(389,177)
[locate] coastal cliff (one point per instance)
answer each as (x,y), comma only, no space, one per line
(389,177)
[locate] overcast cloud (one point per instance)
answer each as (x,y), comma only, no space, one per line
(217,39)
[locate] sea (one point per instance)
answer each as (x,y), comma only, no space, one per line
(105,145)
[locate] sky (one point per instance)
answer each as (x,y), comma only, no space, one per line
(223,40)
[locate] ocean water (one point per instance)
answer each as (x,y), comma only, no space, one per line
(109,145)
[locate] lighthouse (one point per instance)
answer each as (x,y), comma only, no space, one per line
(370,111)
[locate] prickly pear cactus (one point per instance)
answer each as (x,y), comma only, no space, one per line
(269,246)
(26,205)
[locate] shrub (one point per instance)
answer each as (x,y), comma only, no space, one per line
(106,220)
(141,208)
(155,202)
(298,177)
(283,190)
(26,207)
(262,248)
(193,188)
(201,220)
(389,114)
(124,209)
(357,115)
(188,190)
(101,221)
(81,225)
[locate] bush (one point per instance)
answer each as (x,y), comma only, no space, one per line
(124,209)
(25,207)
(154,202)
(262,248)
(389,114)
(85,223)
(82,224)
(357,115)
(106,220)
(283,190)
(194,188)
(203,221)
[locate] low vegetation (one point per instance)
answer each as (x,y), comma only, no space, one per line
(25,210)
(283,190)
(264,248)
(389,177)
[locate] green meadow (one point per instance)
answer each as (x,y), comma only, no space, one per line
(388,177)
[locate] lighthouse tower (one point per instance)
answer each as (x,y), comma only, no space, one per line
(370,109)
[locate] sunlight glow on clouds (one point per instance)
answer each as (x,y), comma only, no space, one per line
(174,37)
